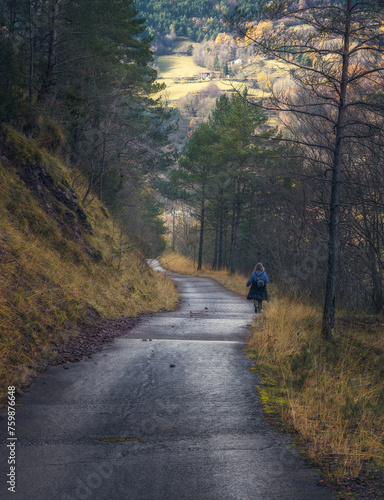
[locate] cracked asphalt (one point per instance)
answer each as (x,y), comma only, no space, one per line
(174,417)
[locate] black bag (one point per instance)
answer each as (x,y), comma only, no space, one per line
(260,282)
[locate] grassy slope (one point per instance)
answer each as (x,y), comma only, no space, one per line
(331,395)
(277,69)
(174,66)
(51,282)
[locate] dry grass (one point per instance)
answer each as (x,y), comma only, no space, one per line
(332,395)
(175,91)
(49,286)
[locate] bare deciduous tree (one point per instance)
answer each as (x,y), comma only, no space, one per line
(335,52)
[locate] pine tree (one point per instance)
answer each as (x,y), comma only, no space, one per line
(240,151)
(196,175)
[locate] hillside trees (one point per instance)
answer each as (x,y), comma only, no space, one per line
(196,19)
(223,162)
(12,87)
(334,99)
(57,38)
(196,174)
(215,54)
(242,151)
(80,72)
(364,220)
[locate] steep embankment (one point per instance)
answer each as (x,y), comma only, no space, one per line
(62,266)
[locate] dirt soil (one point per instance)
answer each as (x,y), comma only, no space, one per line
(92,339)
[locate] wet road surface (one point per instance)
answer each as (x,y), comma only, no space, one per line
(126,425)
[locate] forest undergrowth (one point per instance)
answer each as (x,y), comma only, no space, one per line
(329,395)
(60,272)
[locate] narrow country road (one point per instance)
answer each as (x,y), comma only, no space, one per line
(128,425)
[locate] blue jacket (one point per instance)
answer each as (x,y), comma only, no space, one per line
(255,292)
(256,275)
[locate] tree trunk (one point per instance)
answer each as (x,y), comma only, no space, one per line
(220,263)
(328,326)
(202,221)
(236,229)
(90,186)
(375,261)
(378,296)
(31,55)
(49,79)
(215,252)
(102,173)
(173,230)
(232,230)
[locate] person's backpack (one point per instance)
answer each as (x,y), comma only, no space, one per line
(260,281)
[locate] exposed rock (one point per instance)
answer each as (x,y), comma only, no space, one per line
(57,199)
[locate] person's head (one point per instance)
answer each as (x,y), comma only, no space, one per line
(259,267)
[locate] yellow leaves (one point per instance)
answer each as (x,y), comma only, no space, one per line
(257,31)
(148,191)
(223,38)
(250,35)
(219,38)
(263,28)
(264,80)
(261,76)
(192,127)
(196,21)
(313,58)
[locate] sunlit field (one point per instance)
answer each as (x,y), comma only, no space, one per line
(174,68)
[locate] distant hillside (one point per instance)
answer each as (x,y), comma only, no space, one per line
(199,19)
(195,19)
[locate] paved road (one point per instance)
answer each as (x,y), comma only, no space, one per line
(126,425)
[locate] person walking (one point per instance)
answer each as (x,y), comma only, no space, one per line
(258,291)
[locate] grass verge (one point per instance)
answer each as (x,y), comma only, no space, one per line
(331,396)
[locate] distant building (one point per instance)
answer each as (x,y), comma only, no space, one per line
(206,75)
